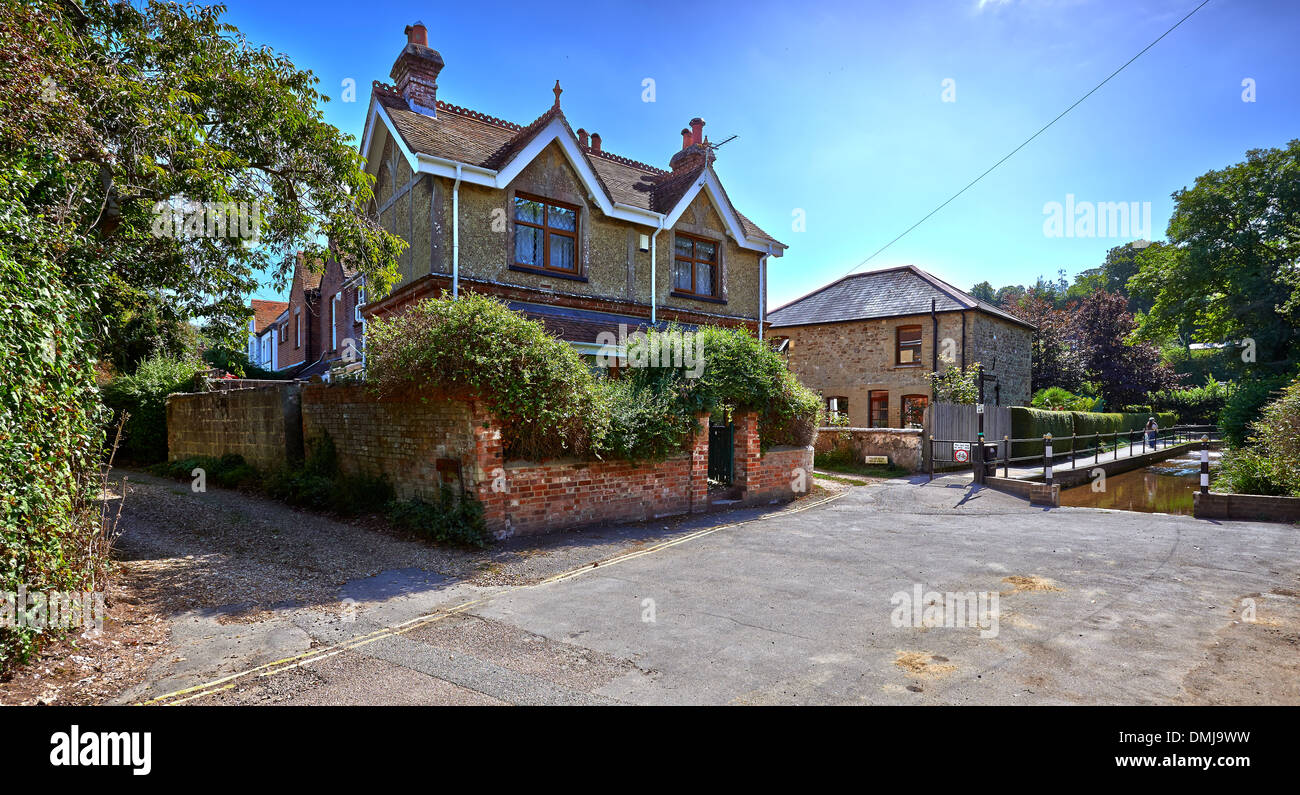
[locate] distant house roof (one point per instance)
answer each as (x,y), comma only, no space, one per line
(889,292)
(266,312)
(468,136)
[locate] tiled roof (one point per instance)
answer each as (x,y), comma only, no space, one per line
(582,325)
(478,139)
(889,292)
(266,312)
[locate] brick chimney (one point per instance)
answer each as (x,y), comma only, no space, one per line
(695,149)
(582,137)
(595,142)
(415,73)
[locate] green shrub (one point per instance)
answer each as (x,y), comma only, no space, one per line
(1269,461)
(1244,405)
(550,404)
(1200,405)
(143,396)
(538,387)
(450,520)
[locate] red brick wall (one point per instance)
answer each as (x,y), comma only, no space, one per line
(404,435)
(781,474)
(332,282)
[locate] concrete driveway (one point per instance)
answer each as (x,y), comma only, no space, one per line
(1093,607)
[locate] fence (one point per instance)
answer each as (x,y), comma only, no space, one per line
(1079,447)
(951,424)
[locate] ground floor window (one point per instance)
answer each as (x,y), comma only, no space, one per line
(878,415)
(837,407)
(914,410)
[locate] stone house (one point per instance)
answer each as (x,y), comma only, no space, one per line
(547,219)
(869,341)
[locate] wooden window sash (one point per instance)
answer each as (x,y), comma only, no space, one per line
(545,228)
(694,261)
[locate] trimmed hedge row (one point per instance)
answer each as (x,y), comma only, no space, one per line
(1027,423)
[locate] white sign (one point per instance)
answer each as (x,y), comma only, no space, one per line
(979,408)
(961,452)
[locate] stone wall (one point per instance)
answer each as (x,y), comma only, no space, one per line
(1246,507)
(901,445)
(264,424)
(417,440)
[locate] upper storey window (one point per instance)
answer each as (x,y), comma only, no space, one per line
(546,234)
(695,268)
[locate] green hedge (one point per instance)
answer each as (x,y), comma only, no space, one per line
(1027,423)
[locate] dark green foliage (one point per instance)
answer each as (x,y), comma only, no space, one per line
(142,395)
(1245,405)
(549,403)
(451,520)
(1269,461)
(1199,405)
(1027,423)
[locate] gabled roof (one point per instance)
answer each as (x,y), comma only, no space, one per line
(888,292)
(491,144)
(266,312)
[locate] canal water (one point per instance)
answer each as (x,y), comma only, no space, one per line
(1166,487)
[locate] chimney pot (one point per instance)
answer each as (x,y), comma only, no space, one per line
(686,137)
(417,34)
(697,131)
(595,141)
(582,137)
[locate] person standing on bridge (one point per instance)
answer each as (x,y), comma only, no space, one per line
(1151,430)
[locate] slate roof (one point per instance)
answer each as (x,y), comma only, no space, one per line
(889,292)
(266,312)
(582,325)
(468,136)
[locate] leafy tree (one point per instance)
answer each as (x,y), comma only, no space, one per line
(1100,327)
(953,384)
(1055,360)
(1230,270)
(142,112)
(984,291)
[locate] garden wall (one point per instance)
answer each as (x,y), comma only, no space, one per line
(264,424)
(416,439)
(901,445)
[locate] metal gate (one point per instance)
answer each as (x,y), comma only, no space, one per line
(721,452)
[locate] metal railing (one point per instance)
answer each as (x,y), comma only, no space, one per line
(1080,447)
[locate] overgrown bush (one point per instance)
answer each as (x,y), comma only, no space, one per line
(52,535)
(538,387)
(1245,404)
(1269,461)
(1198,405)
(142,395)
(551,405)
(452,520)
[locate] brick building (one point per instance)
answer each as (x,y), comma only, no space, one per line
(262,332)
(546,218)
(867,343)
(321,325)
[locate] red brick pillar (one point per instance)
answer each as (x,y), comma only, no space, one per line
(490,484)
(699,445)
(746,450)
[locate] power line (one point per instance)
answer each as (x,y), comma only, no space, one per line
(1029,139)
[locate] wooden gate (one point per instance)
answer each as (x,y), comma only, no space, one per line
(949,423)
(721,452)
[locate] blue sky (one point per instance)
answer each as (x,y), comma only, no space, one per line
(839,112)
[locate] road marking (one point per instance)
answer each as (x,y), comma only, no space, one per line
(299,660)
